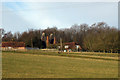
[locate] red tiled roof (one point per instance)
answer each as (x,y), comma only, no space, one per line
(13,44)
(70,43)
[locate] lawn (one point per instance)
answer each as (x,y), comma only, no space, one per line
(52,65)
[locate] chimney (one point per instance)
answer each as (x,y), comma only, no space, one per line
(54,40)
(47,41)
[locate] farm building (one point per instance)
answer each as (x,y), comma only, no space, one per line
(71,46)
(13,45)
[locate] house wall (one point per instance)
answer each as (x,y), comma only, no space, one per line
(21,48)
(11,48)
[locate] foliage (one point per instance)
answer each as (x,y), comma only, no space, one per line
(98,37)
(52,46)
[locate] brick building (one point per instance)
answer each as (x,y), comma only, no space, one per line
(13,45)
(71,46)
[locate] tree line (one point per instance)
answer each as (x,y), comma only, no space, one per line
(98,37)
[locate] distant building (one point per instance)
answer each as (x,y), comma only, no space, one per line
(13,45)
(71,46)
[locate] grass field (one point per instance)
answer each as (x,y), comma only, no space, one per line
(37,64)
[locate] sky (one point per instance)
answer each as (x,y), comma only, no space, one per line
(21,16)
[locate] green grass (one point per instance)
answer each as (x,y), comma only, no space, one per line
(92,55)
(37,64)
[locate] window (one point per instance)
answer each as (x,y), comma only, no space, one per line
(77,46)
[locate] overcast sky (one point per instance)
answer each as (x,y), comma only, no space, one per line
(21,16)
